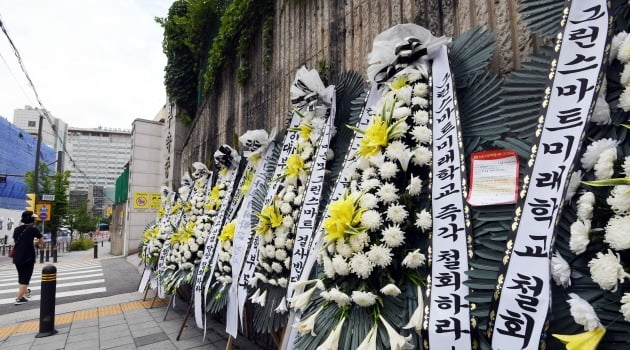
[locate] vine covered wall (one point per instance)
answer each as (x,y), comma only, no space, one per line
(333,36)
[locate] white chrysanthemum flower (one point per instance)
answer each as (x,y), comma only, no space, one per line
(625,75)
(616,43)
(394,148)
(276,267)
(388,193)
(623,53)
(580,236)
(281,254)
(624,100)
(625,306)
(422,156)
(424,220)
(619,199)
(401,112)
(414,259)
(421,117)
(591,155)
(270,250)
(368,201)
(289,197)
(266,266)
(420,90)
(626,166)
(393,236)
(279,241)
(574,183)
(391,290)
(397,213)
(288,244)
(342,299)
(194,247)
(585,206)
(369,184)
(187,254)
(286,208)
(583,313)
(329,270)
(359,241)
(287,263)
(368,173)
(287,221)
(340,265)
(606,270)
(267,236)
(363,299)
(605,163)
(282,282)
(415,185)
(380,255)
(560,270)
(361,265)
(388,170)
(343,249)
(420,101)
(617,232)
(371,219)
(421,134)
(404,94)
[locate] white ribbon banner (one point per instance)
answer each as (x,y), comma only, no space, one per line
(310,206)
(210,247)
(249,264)
(523,288)
(242,235)
(449,314)
(341,184)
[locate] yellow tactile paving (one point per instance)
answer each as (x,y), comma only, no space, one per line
(32,326)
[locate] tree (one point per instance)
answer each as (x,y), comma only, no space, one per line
(57,184)
(81,219)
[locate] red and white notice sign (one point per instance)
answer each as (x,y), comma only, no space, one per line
(493,178)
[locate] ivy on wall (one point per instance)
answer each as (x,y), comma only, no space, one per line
(188,32)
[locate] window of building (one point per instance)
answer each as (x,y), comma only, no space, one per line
(32,123)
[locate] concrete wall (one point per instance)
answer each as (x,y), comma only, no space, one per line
(117,229)
(339,33)
(144,176)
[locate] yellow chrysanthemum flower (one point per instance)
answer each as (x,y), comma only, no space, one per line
(305,131)
(375,138)
(247,182)
(344,216)
(582,341)
(161,212)
(294,164)
(223,171)
(215,198)
(269,217)
(398,83)
(227,233)
(184,233)
(150,234)
(177,207)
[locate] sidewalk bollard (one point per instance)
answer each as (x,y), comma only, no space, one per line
(102,243)
(47,302)
(95,250)
(41,255)
(54,253)
(47,249)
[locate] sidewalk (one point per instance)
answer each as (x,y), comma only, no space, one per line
(120,321)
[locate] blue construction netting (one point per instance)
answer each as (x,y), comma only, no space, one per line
(17,156)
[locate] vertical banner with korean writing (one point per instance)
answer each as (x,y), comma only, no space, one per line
(249,266)
(449,314)
(310,207)
(522,298)
(242,237)
(208,259)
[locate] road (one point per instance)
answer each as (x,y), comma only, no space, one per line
(76,281)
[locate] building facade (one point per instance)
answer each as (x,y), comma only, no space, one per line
(27,119)
(98,157)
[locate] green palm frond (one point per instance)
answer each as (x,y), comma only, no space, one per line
(217,298)
(470,54)
(266,319)
(542,16)
(258,194)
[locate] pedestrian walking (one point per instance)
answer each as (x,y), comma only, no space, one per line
(24,254)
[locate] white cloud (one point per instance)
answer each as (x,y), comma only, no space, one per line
(93,62)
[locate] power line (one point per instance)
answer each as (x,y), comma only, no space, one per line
(42,110)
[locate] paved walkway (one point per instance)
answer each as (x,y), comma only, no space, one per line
(121,321)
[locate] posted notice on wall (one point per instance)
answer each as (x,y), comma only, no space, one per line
(493,178)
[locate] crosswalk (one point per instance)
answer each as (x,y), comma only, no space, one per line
(73,279)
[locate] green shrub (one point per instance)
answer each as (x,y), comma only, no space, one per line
(83,243)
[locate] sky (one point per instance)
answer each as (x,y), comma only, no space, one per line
(93,62)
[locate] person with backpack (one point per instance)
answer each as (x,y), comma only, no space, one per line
(24,253)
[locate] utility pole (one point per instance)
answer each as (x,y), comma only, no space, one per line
(37,154)
(53,236)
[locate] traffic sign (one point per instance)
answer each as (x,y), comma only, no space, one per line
(43,211)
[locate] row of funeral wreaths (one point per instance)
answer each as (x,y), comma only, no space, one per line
(256,231)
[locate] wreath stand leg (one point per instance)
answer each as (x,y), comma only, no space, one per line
(277,340)
(168,306)
(146,291)
(230,341)
(190,307)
